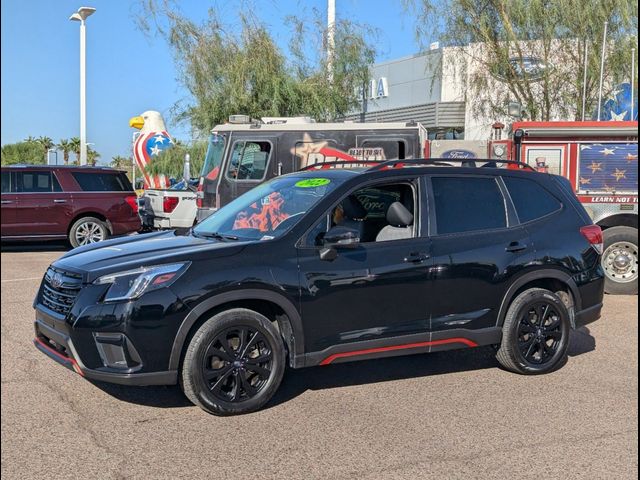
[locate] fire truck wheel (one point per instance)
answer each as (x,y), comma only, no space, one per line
(620,260)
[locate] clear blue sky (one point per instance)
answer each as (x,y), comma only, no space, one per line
(128,72)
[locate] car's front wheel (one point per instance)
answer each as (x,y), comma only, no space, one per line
(535,334)
(234,363)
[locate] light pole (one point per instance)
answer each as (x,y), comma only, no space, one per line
(80,16)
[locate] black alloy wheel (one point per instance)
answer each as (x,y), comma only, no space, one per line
(535,333)
(234,362)
(237,363)
(539,333)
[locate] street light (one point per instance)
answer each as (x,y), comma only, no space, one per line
(80,16)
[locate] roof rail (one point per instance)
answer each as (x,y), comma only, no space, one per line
(466,162)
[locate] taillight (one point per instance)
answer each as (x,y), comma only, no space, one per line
(169,204)
(200,193)
(593,234)
(133,202)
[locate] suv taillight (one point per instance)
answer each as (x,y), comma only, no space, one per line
(593,234)
(169,204)
(200,193)
(132,200)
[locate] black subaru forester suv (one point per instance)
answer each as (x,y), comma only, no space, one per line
(327,266)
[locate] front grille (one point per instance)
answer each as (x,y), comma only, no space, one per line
(60,290)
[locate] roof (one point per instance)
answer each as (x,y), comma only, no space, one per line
(590,128)
(55,167)
(303,127)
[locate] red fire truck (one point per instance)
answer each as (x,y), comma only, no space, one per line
(601,161)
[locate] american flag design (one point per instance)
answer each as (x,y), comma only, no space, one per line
(147,146)
(608,167)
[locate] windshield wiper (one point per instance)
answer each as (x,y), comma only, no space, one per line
(216,235)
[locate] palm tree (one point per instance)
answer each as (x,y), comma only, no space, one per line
(92,156)
(65,146)
(74,145)
(120,162)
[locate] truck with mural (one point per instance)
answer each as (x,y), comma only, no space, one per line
(600,159)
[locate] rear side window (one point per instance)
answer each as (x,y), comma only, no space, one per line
(468,204)
(102,182)
(35,182)
(531,199)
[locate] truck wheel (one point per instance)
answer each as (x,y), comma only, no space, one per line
(87,230)
(535,334)
(620,260)
(234,363)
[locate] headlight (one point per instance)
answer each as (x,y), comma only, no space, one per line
(131,284)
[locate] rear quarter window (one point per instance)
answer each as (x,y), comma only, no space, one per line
(102,182)
(531,200)
(468,204)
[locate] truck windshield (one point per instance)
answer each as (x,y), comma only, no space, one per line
(267,211)
(213,159)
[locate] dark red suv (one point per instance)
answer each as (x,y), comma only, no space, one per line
(83,204)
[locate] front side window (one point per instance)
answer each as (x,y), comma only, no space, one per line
(269,210)
(468,204)
(249,160)
(34,182)
(6,182)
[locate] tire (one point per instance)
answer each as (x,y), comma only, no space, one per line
(620,260)
(87,230)
(223,382)
(523,335)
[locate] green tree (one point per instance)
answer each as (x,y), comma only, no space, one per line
(74,145)
(26,152)
(65,146)
(92,156)
(47,144)
(229,69)
(503,34)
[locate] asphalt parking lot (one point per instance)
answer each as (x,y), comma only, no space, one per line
(443,415)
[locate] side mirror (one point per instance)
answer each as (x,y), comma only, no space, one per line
(338,237)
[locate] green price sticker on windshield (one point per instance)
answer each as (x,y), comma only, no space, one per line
(313,182)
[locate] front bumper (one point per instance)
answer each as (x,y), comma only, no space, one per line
(128,343)
(59,347)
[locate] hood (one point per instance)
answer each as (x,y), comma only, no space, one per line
(93,261)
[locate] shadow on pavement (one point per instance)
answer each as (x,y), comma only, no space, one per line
(296,382)
(57,246)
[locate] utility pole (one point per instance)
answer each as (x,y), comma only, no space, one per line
(584,79)
(604,46)
(633,82)
(331,41)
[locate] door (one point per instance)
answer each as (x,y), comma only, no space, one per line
(477,247)
(372,291)
(249,163)
(42,207)
(9,198)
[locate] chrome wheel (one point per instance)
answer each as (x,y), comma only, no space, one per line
(620,262)
(89,232)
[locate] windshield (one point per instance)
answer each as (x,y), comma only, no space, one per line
(269,210)
(213,159)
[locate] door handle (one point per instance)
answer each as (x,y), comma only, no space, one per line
(416,257)
(516,247)
(5,202)
(58,200)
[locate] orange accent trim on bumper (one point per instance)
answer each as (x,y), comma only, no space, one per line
(64,358)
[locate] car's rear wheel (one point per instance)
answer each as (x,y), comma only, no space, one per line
(620,260)
(88,230)
(535,333)
(234,363)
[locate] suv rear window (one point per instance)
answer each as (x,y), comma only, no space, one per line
(468,204)
(102,182)
(530,199)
